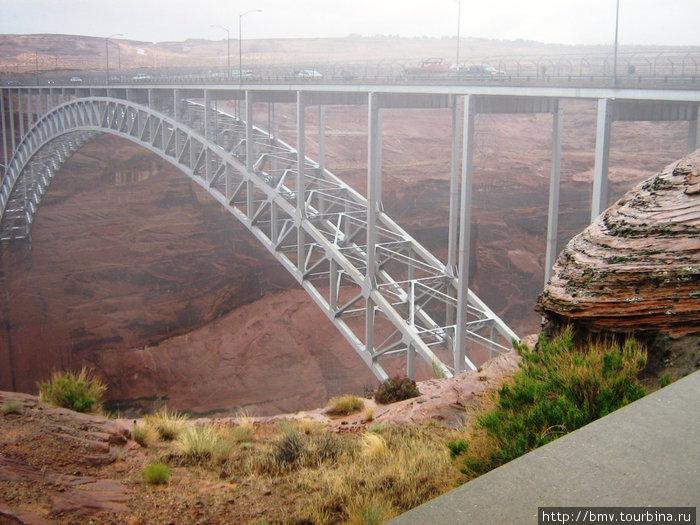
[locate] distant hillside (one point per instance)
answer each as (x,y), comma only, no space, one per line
(27,53)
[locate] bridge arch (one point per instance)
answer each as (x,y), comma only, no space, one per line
(312,222)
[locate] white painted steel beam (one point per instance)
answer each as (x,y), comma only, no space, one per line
(599,199)
(554,183)
(460,357)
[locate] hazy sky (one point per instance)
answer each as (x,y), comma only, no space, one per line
(664,22)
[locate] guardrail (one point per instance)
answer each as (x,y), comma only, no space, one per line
(635,69)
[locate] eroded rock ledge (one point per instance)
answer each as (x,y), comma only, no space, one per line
(637,266)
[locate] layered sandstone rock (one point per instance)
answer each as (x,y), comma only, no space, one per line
(637,266)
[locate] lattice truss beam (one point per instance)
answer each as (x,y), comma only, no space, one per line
(407,307)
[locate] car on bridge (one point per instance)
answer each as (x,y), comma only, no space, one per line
(484,71)
(75,80)
(428,68)
(142,77)
(310,74)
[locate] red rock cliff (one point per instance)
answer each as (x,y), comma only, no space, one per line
(637,266)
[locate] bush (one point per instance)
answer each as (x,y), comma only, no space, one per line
(344,405)
(81,392)
(396,389)
(156,473)
(289,449)
(559,388)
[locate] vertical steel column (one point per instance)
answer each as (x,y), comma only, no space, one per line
(454,189)
(40,103)
(177,116)
(599,200)
(30,117)
(693,130)
(4,134)
(151,130)
(451,268)
(554,180)
(410,361)
(20,113)
(12,121)
(464,233)
(275,131)
(300,182)
(207,104)
(374,184)
(249,152)
(322,138)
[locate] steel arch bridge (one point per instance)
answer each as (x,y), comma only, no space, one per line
(386,294)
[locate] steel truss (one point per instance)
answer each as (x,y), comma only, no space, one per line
(386,294)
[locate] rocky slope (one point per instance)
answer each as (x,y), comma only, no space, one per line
(62,467)
(636,268)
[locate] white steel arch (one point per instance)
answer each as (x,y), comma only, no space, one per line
(392,299)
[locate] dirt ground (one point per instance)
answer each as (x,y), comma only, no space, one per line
(62,467)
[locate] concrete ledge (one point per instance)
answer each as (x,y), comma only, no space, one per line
(645,454)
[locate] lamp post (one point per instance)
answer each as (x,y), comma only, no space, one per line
(617,16)
(240,43)
(107,53)
(459,18)
(228,50)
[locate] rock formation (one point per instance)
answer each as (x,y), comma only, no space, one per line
(636,268)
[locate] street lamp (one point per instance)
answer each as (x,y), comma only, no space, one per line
(459,18)
(228,50)
(107,53)
(240,43)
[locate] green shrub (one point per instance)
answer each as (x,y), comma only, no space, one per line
(560,387)
(457,447)
(81,392)
(396,389)
(664,380)
(12,406)
(156,473)
(344,405)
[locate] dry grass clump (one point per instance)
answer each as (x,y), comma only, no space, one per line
(144,434)
(199,444)
(169,425)
(373,445)
(344,405)
(12,406)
